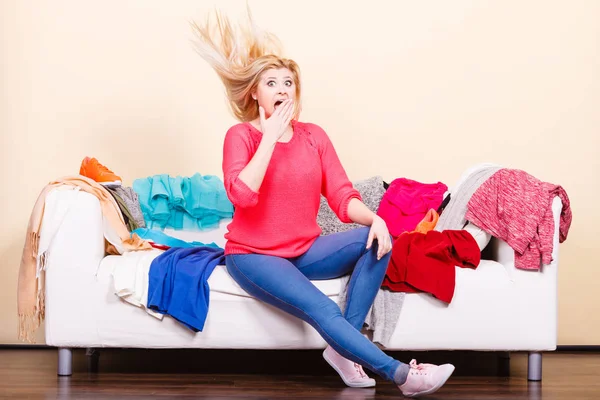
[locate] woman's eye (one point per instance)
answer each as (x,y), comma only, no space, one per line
(271,83)
(288,83)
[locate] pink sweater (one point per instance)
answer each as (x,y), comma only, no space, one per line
(516,207)
(281,219)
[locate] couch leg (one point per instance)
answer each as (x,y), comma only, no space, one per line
(93,358)
(504,364)
(65,361)
(534,366)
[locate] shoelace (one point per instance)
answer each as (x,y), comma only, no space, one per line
(420,369)
(360,370)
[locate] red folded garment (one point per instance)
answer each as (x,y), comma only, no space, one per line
(426,262)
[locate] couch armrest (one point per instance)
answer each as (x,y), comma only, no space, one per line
(539,289)
(73,259)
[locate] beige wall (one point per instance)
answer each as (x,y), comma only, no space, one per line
(415,89)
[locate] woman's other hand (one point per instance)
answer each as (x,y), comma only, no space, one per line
(380,232)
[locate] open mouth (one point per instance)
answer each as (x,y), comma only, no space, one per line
(278,103)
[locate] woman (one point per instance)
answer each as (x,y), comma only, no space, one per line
(275,168)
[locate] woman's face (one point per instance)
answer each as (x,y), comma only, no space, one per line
(274,86)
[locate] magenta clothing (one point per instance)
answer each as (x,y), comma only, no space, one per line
(281,218)
(517,208)
(406,202)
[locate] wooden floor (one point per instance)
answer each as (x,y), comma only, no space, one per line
(127,374)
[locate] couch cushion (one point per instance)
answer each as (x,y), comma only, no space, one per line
(219,281)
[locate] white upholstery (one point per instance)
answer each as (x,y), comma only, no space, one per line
(495,307)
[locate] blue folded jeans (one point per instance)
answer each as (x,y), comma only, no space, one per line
(286,284)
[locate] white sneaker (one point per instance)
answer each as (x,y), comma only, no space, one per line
(351,373)
(424,379)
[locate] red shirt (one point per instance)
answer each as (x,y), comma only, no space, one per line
(426,262)
(281,218)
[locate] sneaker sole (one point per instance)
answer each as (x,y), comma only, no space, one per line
(437,387)
(371,383)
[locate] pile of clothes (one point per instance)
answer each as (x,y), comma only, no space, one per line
(176,281)
(436,230)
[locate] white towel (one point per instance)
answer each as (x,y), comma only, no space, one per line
(130,278)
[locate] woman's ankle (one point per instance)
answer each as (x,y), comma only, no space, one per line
(401,374)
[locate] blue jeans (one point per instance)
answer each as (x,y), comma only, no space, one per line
(285,284)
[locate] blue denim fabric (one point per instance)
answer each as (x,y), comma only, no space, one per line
(285,284)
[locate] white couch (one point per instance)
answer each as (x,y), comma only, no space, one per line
(495,308)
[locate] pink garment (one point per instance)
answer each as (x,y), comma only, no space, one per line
(281,218)
(517,208)
(406,202)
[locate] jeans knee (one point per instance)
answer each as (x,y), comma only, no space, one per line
(375,247)
(362,234)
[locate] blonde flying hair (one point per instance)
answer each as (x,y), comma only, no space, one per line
(239,57)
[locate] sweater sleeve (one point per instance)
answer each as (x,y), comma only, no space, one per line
(335,186)
(237,153)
